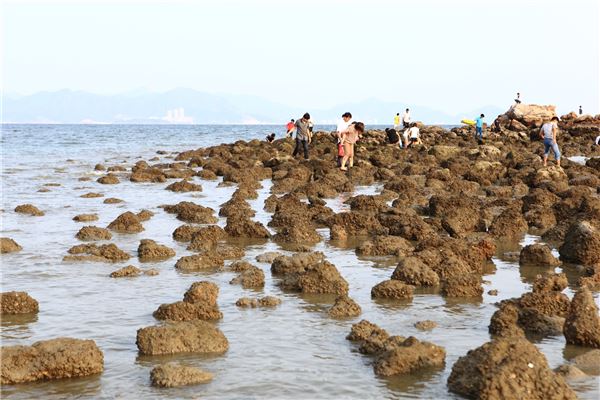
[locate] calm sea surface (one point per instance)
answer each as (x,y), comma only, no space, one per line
(292,351)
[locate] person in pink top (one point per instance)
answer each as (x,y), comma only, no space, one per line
(349,137)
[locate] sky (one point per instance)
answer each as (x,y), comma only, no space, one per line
(449,55)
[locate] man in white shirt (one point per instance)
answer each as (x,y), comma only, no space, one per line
(342,126)
(406,118)
(414,135)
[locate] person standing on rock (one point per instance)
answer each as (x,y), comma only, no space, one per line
(406,118)
(342,126)
(349,138)
(548,134)
(518,99)
(290,128)
(580,110)
(479,128)
(397,121)
(303,135)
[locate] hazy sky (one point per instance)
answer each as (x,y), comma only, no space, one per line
(451,55)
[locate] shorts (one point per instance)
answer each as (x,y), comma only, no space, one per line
(414,139)
(549,144)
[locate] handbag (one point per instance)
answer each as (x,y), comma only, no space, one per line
(340,150)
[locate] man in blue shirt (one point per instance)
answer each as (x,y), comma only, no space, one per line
(479,127)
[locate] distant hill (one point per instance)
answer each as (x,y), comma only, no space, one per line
(68,106)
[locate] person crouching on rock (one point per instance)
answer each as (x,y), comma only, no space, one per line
(392,137)
(414,135)
(303,135)
(548,134)
(349,137)
(270,138)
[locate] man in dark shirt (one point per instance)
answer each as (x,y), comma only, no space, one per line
(303,135)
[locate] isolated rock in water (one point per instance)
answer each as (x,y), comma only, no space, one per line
(173,375)
(184,311)
(318,278)
(507,368)
(190,212)
(537,254)
(296,263)
(181,337)
(85,217)
(127,222)
(149,250)
(385,246)
(184,186)
(363,330)
(550,303)
(268,257)
(91,195)
(582,244)
(109,179)
(588,361)
(99,167)
(550,283)
(50,359)
(93,233)
(410,356)
(246,302)
(184,233)
(202,292)
(426,325)
(200,262)
(462,286)
(344,307)
(7,245)
(252,277)
(29,209)
(504,321)
(128,271)
(145,215)
(267,301)
(107,252)
(414,271)
(206,238)
(570,372)
(392,289)
(148,175)
(582,325)
(17,303)
(509,224)
(112,200)
(245,227)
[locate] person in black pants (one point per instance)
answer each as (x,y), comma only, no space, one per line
(303,135)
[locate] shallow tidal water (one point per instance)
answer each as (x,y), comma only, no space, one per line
(292,351)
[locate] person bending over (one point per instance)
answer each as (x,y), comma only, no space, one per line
(349,138)
(270,138)
(392,136)
(414,135)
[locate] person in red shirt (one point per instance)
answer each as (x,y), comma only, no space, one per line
(291,127)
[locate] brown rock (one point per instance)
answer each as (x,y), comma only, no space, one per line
(550,282)
(127,222)
(200,262)
(385,246)
(552,303)
(50,359)
(413,271)
(7,245)
(85,217)
(181,337)
(128,271)
(149,250)
(538,254)
(252,277)
(426,325)
(363,330)
(184,186)
(298,263)
(588,361)
(29,209)
(93,233)
(145,215)
(509,224)
(109,179)
(504,321)
(174,375)
(392,289)
(184,233)
(112,200)
(320,278)
(185,311)
(582,324)
(410,356)
(245,227)
(206,238)
(17,303)
(344,307)
(190,212)
(582,244)
(462,286)
(202,292)
(91,252)
(268,257)
(507,368)
(91,195)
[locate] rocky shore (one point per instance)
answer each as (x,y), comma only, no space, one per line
(443,211)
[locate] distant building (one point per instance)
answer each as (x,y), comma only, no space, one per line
(177,116)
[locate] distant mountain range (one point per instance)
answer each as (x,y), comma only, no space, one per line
(192,106)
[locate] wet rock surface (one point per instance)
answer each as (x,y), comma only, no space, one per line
(128,271)
(17,303)
(582,324)
(174,375)
(91,252)
(89,233)
(127,222)
(149,250)
(29,209)
(344,307)
(8,245)
(50,359)
(181,337)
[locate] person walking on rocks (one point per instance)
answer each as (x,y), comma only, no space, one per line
(406,118)
(397,121)
(548,134)
(303,135)
(342,126)
(290,128)
(479,128)
(349,138)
